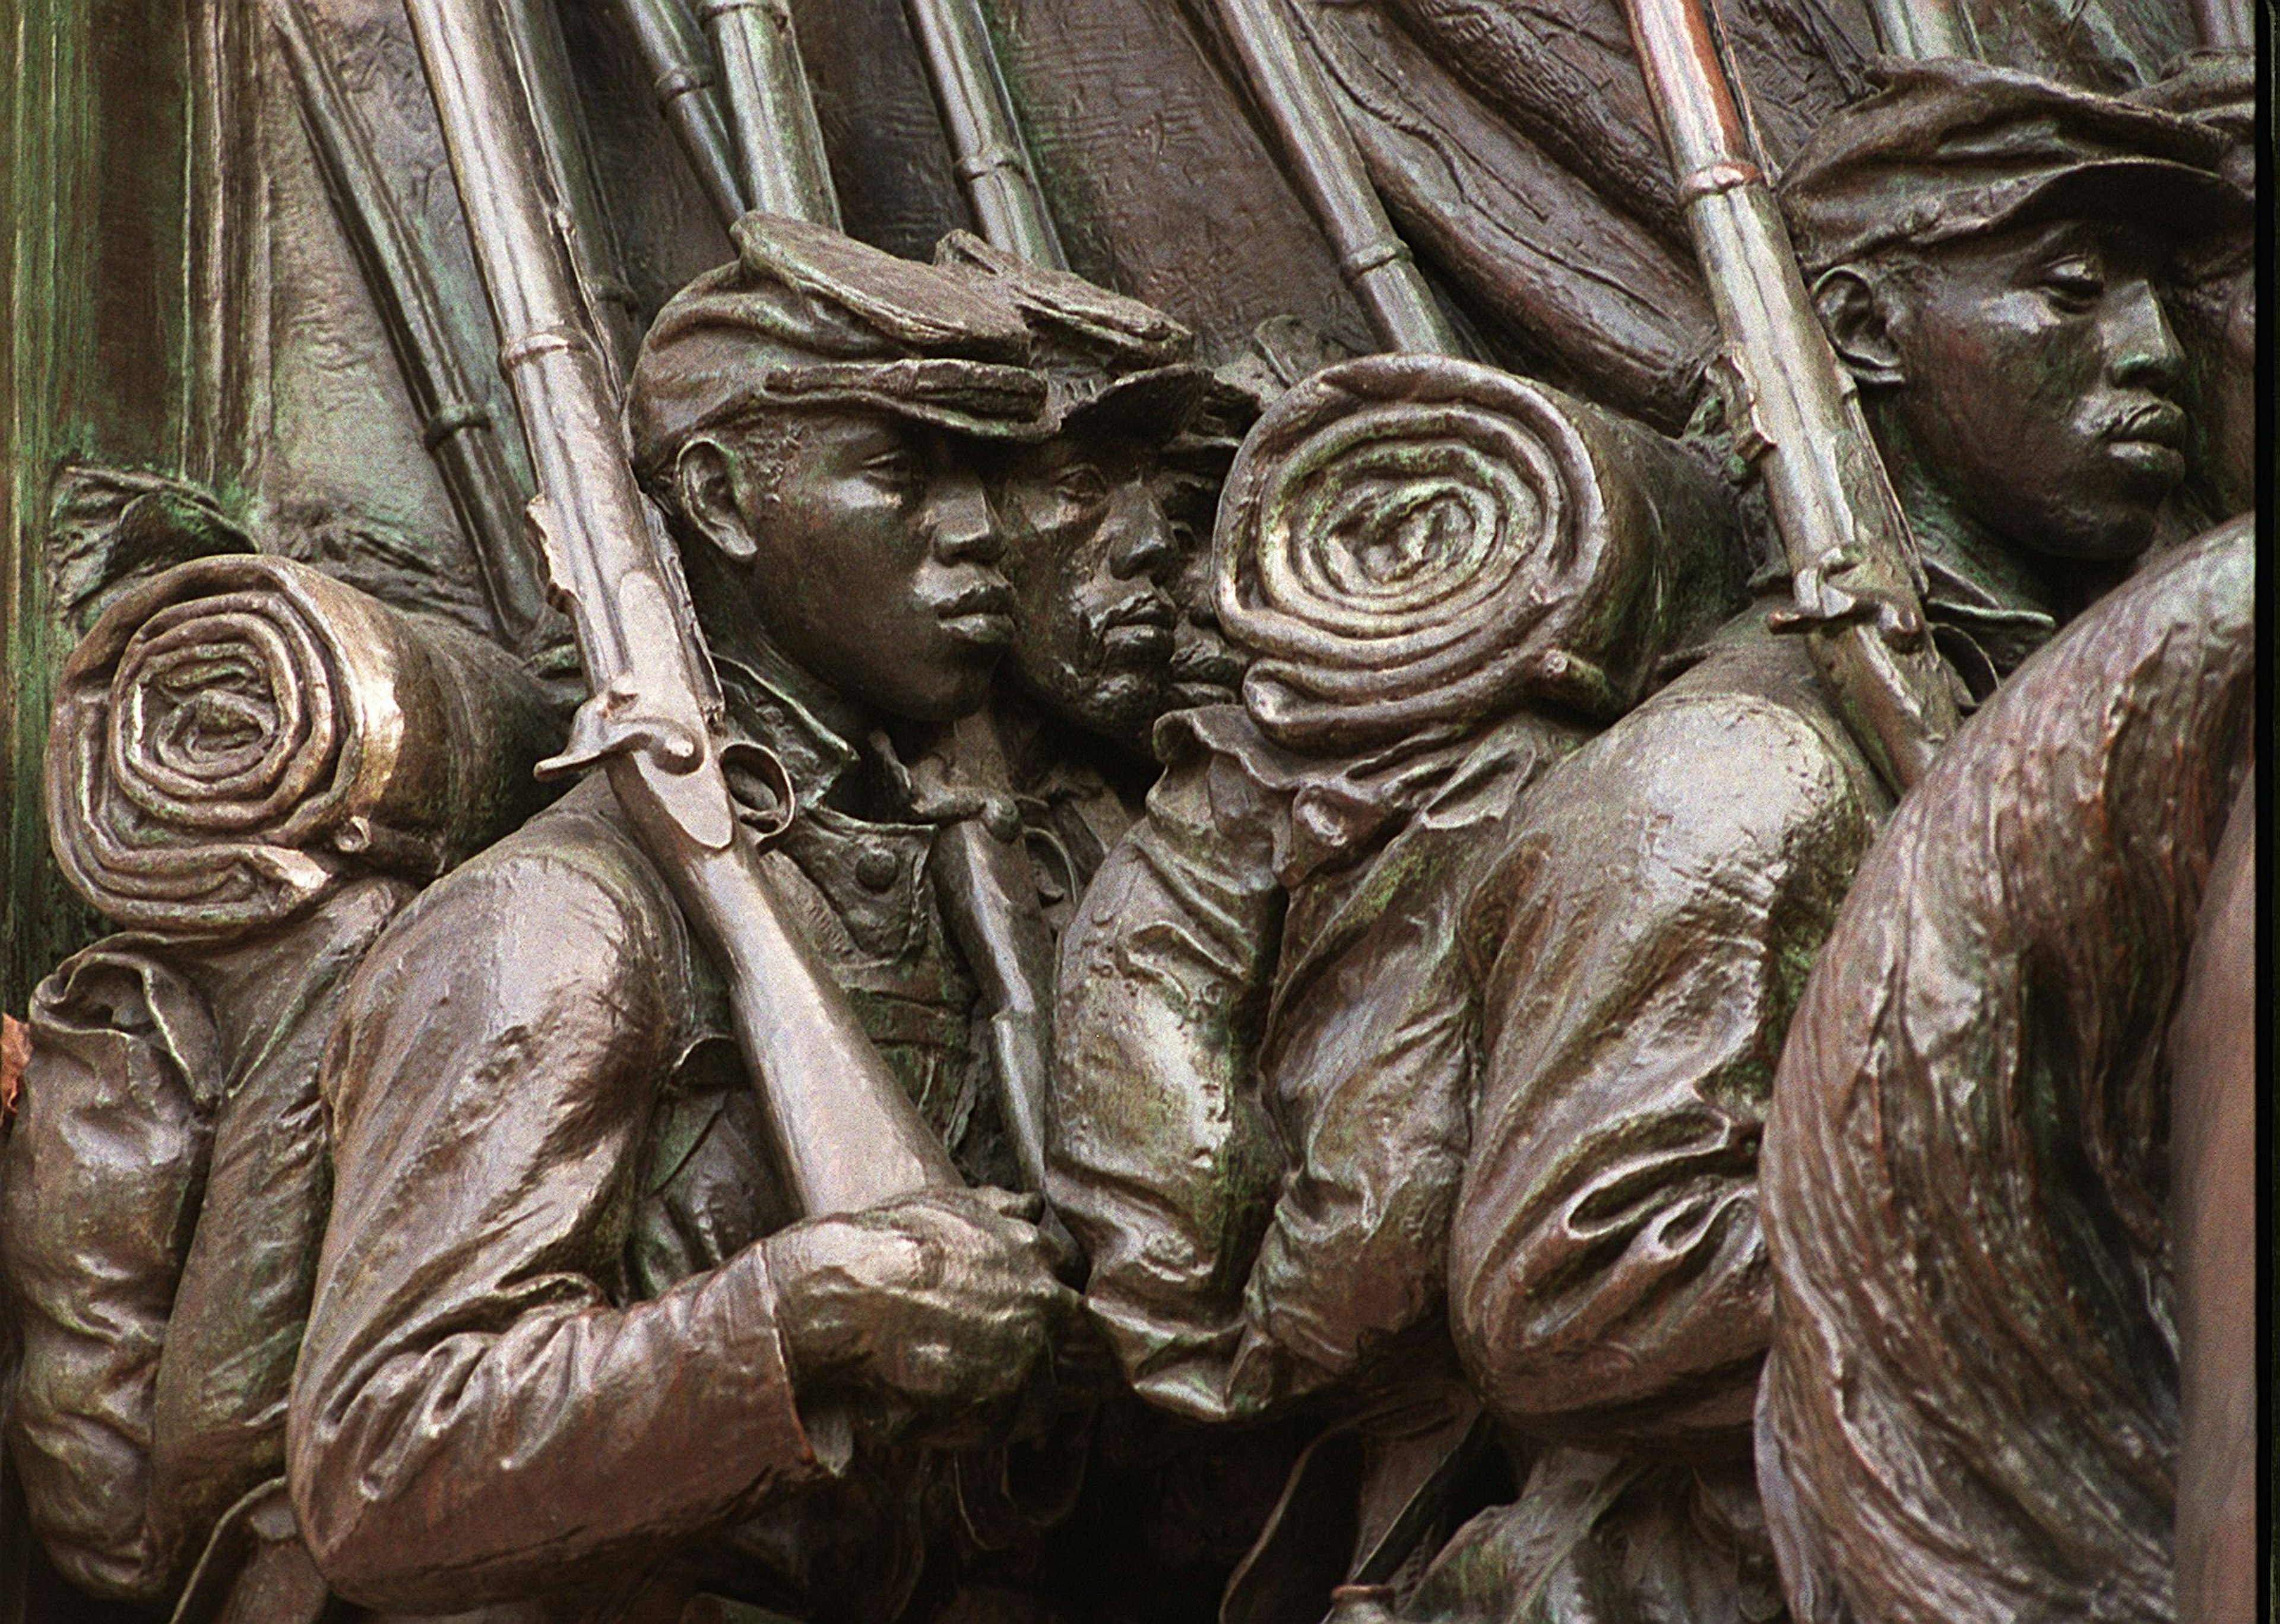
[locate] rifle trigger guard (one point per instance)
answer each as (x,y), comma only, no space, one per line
(748,767)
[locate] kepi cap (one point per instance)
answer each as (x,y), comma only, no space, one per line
(807,316)
(1112,362)
(1948,148)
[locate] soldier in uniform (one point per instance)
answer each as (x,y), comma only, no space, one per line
(1623,945)
(1988,252)
(1092,555)
(1124,1508)
(566,1351)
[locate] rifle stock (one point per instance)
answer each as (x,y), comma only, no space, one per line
(1797,410)
(847,1135)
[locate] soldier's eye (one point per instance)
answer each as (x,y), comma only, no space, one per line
(2075,283)
(1081,483)
(897,469)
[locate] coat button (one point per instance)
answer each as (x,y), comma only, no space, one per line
(877,871)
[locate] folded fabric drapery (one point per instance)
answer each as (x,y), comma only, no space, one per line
(238,736)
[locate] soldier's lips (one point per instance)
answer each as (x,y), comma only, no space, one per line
(2151,439)
(982,629)
(1137,641)
(980,615)
(1139,629)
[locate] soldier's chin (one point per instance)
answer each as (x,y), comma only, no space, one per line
(2109,531)
(1119,705)
(2150,468)
(954,682)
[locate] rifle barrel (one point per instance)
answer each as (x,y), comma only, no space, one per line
(1922,29)
(847,1135)
(541,58)
(485,490)
(1849,548)
(985,137)
(673,53)
(779,143)
(1320,151)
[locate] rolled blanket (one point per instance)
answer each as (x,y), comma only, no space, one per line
(236,737)
(1413,545)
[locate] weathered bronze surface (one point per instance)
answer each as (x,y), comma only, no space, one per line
(1082,811)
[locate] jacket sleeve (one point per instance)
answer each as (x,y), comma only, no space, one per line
(475,1416)
(1263,1092)
(1658,900)
(104,1171)
(1162,1161)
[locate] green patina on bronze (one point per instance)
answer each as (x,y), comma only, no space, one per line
(94,362)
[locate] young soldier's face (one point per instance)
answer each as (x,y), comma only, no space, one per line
(1089,551)
(874,561)
(2043,382)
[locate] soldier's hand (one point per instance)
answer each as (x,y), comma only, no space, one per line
(939,1303)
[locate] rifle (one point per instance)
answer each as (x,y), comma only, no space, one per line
(673,51)
(460,434)
(985,138)
(1796,411)
(1922,28)
(1320,151)
(779,143)
(986,886)
(847,1136)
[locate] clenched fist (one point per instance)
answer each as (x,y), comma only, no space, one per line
(941,1302)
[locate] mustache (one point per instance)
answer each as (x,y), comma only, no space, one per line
(1147,606)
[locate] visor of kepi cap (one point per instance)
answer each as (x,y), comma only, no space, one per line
(1073,324)
(1156,405)
(975,398)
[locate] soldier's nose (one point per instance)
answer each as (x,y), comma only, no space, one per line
(2141,346)
(1144,544)
(961,525)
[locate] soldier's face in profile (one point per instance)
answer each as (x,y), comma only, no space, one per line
(2041,381)
(2216,317)
(873,559)
(1089,551)
(1205,670)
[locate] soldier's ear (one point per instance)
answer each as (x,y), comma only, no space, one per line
(705,490)
(1856,313)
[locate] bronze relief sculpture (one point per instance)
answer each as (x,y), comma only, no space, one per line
(1307,813)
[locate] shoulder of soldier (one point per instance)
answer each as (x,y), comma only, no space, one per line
(1737,761)
(1753,700)
(563,918)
